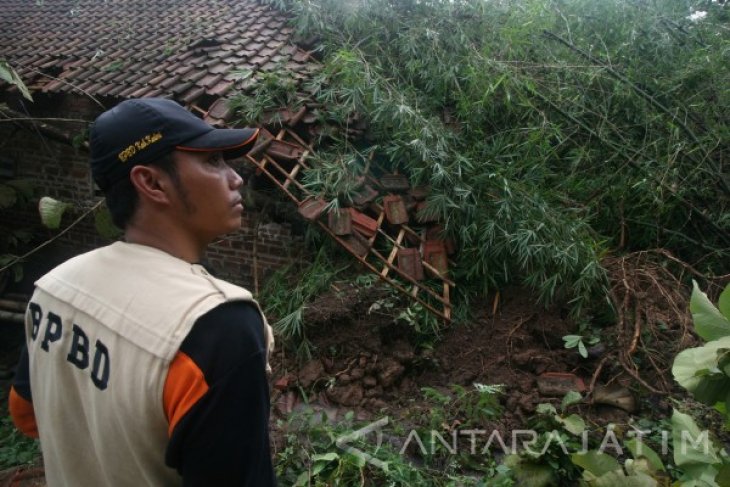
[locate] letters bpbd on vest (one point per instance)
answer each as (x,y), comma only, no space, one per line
(49,327)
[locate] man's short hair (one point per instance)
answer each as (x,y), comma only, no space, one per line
(122,198)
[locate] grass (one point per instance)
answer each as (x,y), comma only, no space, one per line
(15,448)
(286,298)
(313,457)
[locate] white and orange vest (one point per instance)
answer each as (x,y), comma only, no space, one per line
(102,330)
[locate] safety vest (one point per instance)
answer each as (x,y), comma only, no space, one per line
(102,330)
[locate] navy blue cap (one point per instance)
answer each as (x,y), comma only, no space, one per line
(143,130)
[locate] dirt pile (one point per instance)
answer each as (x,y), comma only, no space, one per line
(371,362)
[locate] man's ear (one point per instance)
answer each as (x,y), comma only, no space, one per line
(152,183)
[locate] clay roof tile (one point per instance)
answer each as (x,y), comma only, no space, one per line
(192,95)
(140,92)
(140,48)
(221,88)
(167,83)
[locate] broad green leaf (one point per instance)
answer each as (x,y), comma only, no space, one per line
(689,363)
(711,389)
(723,476)
(8,74)
(22,186)
(358,460)
(595,462)
(618,478)
(530,474)
(571,341)
(104,224)
(8,196)
(642,450)
(322,461)
(545,408)
(572,397)
(688,451)
(51,211)
(318,467)
(22,235)
(5,71)
(25,187)
(573,424)
(639,468)
(699,476)
(723,361)
(17,269)
(6,259)
(302,480)
(710,324)
(326,457)
(582,349)
(723,302)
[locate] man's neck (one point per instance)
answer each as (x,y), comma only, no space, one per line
(169,240)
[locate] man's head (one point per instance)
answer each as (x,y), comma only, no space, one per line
(154,133)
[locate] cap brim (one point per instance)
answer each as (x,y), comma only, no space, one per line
(231,142)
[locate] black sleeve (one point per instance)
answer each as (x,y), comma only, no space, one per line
(223,440)
(21,381)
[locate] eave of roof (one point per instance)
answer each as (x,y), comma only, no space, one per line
(189,50)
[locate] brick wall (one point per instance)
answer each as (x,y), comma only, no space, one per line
(58,170)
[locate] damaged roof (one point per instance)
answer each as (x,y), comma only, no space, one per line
(195,51)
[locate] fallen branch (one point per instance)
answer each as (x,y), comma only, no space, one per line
(18,118)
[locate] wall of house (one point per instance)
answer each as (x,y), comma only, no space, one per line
(58,170)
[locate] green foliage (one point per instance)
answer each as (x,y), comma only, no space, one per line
(602,470)
(470,407)
(426,324)
(695,453)
(705,371)
(114,65)
(697,460)
(8,74)
(104,224)
(548,130)
(51,211)
(286,301)
(274,89)
(14,194)
(15,448)
(311,457)
(577,341)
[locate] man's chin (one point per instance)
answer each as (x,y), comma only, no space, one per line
(235,225)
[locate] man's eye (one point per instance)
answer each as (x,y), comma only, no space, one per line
(216,160)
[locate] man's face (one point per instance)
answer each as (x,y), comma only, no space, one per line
(209,195)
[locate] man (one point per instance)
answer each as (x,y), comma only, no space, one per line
(142,369)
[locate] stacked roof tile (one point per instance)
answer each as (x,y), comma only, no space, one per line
(195,51)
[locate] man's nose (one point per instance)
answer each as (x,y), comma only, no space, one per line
(234,179)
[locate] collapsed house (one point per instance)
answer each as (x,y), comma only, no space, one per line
(79,58)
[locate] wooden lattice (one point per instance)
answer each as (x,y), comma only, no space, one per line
(283,158)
